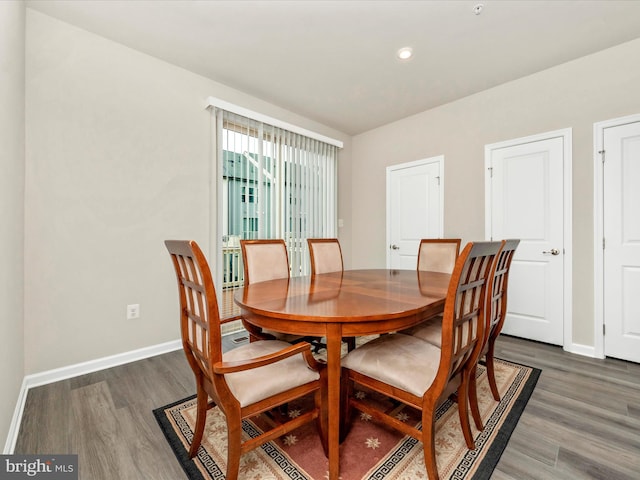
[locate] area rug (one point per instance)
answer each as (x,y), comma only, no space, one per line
(370,451)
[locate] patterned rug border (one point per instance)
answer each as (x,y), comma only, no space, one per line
(495,451)
(174,442)
(484,470)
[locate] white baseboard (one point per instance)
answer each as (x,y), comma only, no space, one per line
(55,375)
(14,428)
(584,350)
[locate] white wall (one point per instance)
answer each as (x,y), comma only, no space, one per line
(576,94)
(12,45)
(117,161)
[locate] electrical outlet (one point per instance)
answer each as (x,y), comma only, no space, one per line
(133,311)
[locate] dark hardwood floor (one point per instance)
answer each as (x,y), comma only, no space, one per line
(582,422)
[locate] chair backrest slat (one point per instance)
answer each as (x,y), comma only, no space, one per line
(199,314)
(497,304)
(464,313)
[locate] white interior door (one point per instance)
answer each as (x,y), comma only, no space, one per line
(525,200)
(414,209)
(621,222)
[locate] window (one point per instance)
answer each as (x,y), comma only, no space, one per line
(275,183)
(250,196)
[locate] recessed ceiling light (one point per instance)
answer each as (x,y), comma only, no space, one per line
(405,53)
(478,9)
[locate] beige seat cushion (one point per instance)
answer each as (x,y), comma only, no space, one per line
(430,331)
(402,361)
(254,385)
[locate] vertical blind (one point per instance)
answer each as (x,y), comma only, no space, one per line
(275,184)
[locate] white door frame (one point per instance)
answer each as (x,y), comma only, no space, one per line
(598,231)
(567,281)
(425,161)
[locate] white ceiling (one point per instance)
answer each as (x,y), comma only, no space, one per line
(334,61)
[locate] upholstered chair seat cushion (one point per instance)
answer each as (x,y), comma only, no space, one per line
(402,361)
(256,384)
(430,331)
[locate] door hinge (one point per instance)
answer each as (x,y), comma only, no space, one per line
(438,177)
(603,243)
(490,171)
(601,152)
(603,329)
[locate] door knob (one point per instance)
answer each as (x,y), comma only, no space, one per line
(553,251)
(394,247)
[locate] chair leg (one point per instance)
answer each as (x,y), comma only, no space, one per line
(463,403)
(346,410)
(473,399)
(201,417)
(491,374)
(234,444)
(316,343)
(351,343)
(428,441)
(322,422)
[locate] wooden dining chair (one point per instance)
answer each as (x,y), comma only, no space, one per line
(435,255)
(419,374)
(496,313)
(246,381)
(326,257)
(265,260)
(325,254)
(438,254)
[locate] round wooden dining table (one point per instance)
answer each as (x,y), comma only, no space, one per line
(343,304)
